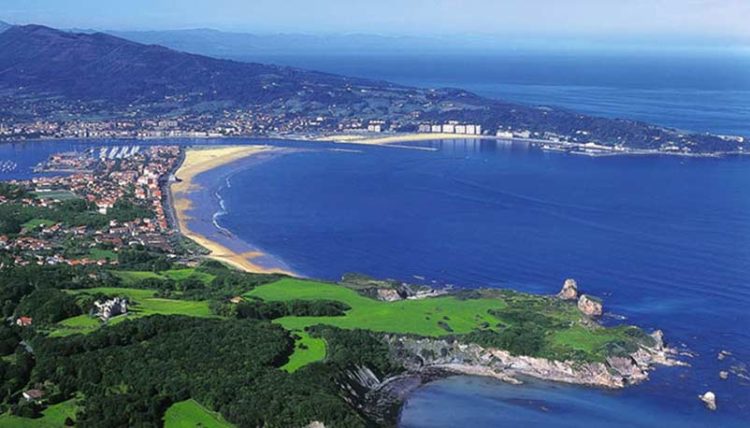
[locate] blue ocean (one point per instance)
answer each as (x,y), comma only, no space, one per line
(665,241)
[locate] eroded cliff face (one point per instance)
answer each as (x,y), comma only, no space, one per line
(418,354)
(379,398)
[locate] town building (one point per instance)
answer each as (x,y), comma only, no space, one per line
(111,308)
(23,321)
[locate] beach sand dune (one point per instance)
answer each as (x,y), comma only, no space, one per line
(198,160)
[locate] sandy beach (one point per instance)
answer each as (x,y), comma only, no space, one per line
(198,160)
(379,140)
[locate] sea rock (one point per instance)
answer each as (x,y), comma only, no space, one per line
(590,306)
(569,290)
(709,398)
(724,375)
(658,337)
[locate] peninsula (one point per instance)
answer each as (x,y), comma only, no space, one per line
(85,92)
(124,322)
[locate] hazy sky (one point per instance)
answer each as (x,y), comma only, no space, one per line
(693,19)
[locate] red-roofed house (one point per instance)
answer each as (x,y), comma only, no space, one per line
(23,321)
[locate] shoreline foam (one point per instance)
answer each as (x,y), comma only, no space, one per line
(200,160)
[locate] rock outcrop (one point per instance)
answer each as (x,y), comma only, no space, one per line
(389,295)
(590,306)
(569,290)
(419,354)
(709,399)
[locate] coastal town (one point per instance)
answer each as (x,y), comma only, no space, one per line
(246,124)
(253,124)
(92,208)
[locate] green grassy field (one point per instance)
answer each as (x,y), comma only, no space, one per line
(100,254)
(190,414)
(426,317)
(80,324)
(35,223)
(146,304)
(568,334)
(61,195)
(307,350)
(131,277)
(53,417)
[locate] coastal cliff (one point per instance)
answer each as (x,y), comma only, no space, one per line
(424,360)
(419,354)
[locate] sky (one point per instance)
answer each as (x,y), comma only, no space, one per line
(635,19)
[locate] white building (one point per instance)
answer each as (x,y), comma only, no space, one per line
(110,308)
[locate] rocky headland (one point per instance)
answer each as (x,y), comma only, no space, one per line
(426,359)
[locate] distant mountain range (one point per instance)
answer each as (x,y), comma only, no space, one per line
(47,73)
(40,61)
(4,26)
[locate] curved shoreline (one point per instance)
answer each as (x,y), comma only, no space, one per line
(197,161)
(398,140)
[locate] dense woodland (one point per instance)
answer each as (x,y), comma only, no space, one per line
(127,375)
(131,373)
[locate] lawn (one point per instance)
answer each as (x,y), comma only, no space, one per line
(307,349)
(427,317)
(53,417)
(36,223)
(592,341)
(81,324)
(190,414)
(180,274)
(145,304)
(131,277)
(568,334)
(100,254)
(583,339)
(60,195)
